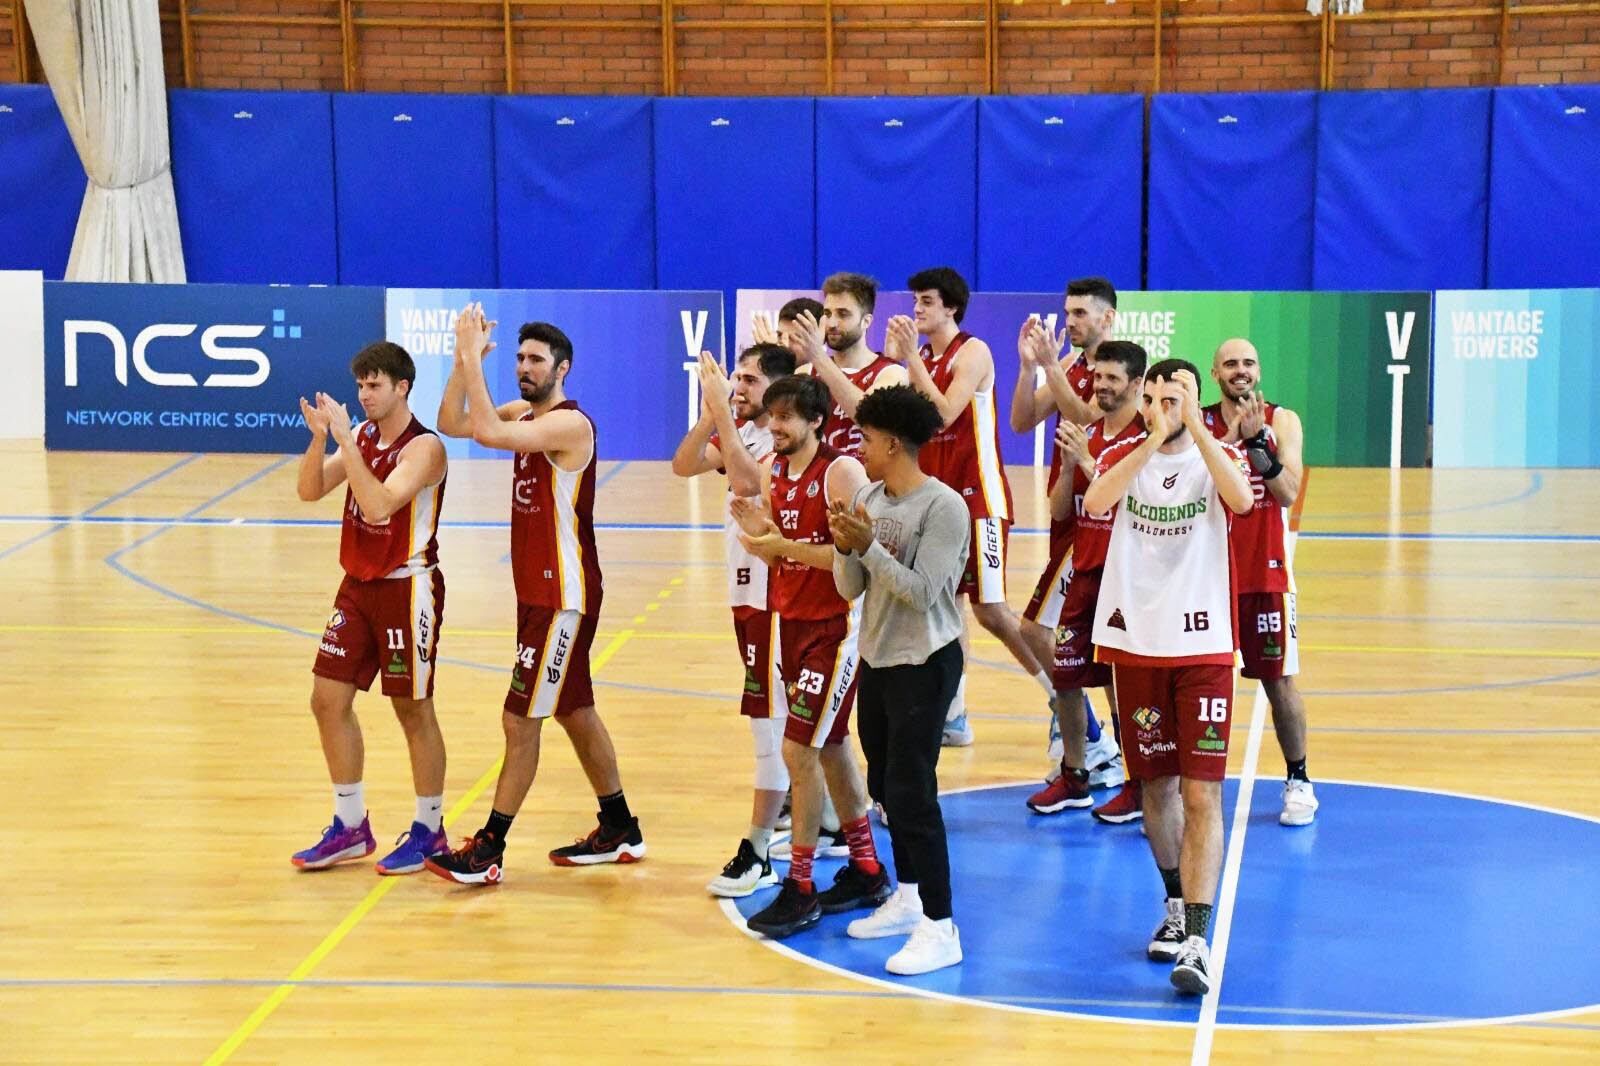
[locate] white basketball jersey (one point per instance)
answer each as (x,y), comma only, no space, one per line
(1166,596)
(747,573)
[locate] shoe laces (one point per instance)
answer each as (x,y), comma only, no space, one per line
(740,860)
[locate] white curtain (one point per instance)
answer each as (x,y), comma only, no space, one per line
(103,61)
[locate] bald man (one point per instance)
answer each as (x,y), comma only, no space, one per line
(1271,437)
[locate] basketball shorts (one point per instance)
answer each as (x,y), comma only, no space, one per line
(1175,720)
(819,666)
(388,628)
(985,577)
(757,634)
(1050,594)
(1269,636)
(551,675)
(1075,665)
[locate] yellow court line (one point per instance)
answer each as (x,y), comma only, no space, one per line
(383,888)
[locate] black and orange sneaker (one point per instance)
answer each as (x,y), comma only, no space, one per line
(479,861)
(603,844)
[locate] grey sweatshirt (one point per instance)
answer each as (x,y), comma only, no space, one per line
(909,574)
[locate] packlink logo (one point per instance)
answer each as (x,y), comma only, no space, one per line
(253,366)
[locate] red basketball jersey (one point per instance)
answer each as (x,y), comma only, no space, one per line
(1091,535)
(1081,377)
(800,507)
(966,454)
(407,541)
(840,432)
(554,563)
(1260,553)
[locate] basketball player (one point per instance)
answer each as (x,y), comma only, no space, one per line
(956,371)
(1164,620)
(1068,392)
(1118,376)
(556,572)
(389,607)
(1269,636)
(787,334)
(754,626)
(818,630)
(835,351)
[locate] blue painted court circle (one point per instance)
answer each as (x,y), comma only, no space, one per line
(1398,907)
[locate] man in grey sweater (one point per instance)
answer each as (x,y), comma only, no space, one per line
(904,546)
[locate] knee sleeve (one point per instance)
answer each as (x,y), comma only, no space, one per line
(771,774)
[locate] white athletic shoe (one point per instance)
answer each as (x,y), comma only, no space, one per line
(928,948)
(898,915)
(957,732)
(1167,940)
(1299,803)
(1104,762)
(1191,973)
(743,874)
(831,844)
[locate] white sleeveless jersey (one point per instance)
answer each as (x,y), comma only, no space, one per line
(1166,595)
(747,573)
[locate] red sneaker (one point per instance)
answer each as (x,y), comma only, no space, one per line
(1065,791)
(1123,807)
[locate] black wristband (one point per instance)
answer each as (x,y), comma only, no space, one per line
(1263,456)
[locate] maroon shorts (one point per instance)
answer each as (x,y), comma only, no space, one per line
(1269,636)
(819,668)
(1044,607)
(1175,720)
(754,629)
(388,626)
(1075,665)
(551,675)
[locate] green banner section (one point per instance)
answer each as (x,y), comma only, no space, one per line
(1353,365)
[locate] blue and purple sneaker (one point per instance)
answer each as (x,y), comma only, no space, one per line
(339,843)
(415,845)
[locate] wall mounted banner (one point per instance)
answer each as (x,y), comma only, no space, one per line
(1515,378)
(1354,365)
(214,368)
(633,356)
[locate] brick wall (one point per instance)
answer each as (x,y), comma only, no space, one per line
(771,47)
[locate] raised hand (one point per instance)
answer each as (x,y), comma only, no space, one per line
(473,332)
(751,514)
(1158,421)
(1073,442)
(806,339)
(900,338)
(766,541)
(851,530)
(1186,391)
(337,416)
(761,331)
(714,384)
(316,422)
(1252,415)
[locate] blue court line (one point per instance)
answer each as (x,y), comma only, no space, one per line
(727,990)
(89,514)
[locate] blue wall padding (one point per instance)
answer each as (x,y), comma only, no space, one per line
(1402,189)
(1059,190)
(41,182)
(897,186)
(735,193)
(1544,173)
(253,172)
(1231,184)
(572,177)
(415,190)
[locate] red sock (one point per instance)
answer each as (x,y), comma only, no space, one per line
(862,851)
(800,858)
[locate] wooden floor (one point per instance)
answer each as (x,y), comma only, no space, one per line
(159,765)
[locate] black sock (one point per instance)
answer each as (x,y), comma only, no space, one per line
(1174,886)
(614,810)
(1196,919)
(1297,770)
(497,826)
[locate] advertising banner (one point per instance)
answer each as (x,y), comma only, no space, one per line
(1354,365)
(1515,378)
(22,353)
(215,368)
(633,362)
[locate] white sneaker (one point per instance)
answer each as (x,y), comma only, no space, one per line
(1299,803)
(743,874)
(1104,761)
(1167,941)
(900,914)
(957,732)
(928,948)
(831,844)
(1191,973)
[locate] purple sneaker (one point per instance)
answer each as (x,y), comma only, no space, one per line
(415,844)
(338,843)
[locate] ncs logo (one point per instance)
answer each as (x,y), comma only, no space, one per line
(74,331)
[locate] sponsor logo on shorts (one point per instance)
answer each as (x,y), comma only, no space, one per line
(332,649)
(1147,717)
(841,684)
(517,684)
(558,658)
(1064,635)
(1272,650)
(1211,742)
(1160,747)
(335,620)
(396,665)
(797,706)
(424,633)
(751,684)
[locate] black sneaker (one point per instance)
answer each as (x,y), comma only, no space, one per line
(743,874)
(852,889)
(1167,940)
(603,844)
(791,912)
(785,816)
(1191,974)
(479,861)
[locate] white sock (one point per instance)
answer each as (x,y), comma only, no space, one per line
(909,890)
(350,804)
(958,706)
(760,838)
(1047,683)
(947,926)
(430,811)
(830,817)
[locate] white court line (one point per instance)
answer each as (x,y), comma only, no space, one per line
(1206,1030)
